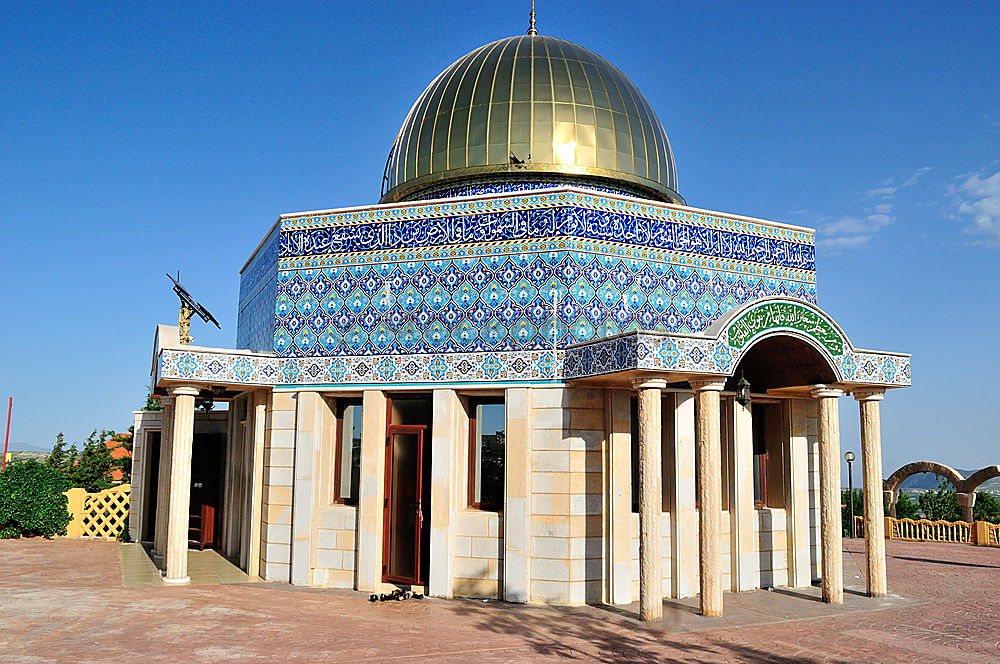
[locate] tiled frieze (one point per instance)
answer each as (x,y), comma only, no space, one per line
(521,301)
(512,367)
(754,243)
(507,185)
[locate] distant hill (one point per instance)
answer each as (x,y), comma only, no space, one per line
(930,481)
(21,455)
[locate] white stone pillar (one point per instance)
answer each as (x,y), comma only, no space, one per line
(683,506)
(309,407)
(445,438)
(371,490)
(650,497)
(831,535)
(710,490)
(797,494)
(178,519)
(871,477)
(517,497)
(619,472)
(163,477)
(257,418)
(742,514)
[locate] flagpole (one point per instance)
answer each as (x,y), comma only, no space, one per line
(6,438)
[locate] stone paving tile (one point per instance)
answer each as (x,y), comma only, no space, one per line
(64,601)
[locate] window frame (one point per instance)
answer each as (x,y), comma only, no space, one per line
(474,403)
(338,451)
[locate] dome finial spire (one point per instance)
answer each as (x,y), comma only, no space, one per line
(531,23)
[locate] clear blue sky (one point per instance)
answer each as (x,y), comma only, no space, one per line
(140,139)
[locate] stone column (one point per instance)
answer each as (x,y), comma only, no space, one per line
(831,535)
(966,501)
(516,521)
(683,509)
(309,425)
(797,494)
(742,514)
(444,442)
(178,517)
(650,497)
(710,492)
(889,499)
(871,477)
(619,472)
(371,490)
(163,477)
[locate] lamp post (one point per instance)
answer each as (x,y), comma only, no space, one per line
(849,458)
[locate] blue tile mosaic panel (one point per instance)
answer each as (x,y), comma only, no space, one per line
(258,292)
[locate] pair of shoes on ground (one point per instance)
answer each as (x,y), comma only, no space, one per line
(396,595)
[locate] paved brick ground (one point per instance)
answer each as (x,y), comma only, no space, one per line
(63,601)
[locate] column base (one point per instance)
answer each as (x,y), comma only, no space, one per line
(178,582)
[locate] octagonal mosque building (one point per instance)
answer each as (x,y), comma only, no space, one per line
(531,372)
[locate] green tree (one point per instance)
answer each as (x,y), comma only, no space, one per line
(845,510)
(987,507)
(151,403)
(61,457)
(32,502)
(906,508)
(940,504)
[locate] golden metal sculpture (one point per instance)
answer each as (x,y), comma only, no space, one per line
(184,324)
(189,307)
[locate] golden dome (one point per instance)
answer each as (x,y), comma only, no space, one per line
(531,105)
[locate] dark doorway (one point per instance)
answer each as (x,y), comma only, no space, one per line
(406,516)
(152,483)
(207,463)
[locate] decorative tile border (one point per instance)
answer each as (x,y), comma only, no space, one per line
(557,221)
(211,367)
(555,197)
(637,350)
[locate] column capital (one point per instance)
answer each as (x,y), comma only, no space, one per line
(870,394)
(184,390)
(166,401)
(649,383)
(708,383)
(826,392)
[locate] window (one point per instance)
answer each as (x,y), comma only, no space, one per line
(487,449)
(347,468)
(768,454)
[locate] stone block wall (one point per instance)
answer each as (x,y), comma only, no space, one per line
(666,568)
(772,547)
(276,513)
(336,546)
(567,502)
(478,547)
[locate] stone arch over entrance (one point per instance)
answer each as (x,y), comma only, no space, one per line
(784,359)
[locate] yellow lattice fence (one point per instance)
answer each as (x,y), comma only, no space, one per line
(101,514)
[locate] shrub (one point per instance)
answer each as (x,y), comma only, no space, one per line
(906,508)
(104,461)
(940,504)
(32,501)
(987,507)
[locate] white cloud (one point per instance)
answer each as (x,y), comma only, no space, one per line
(979,201)
(857,230)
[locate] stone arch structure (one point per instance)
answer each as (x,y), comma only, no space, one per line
(965,488)
(980,476)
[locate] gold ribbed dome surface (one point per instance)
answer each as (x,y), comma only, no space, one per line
(532,105)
